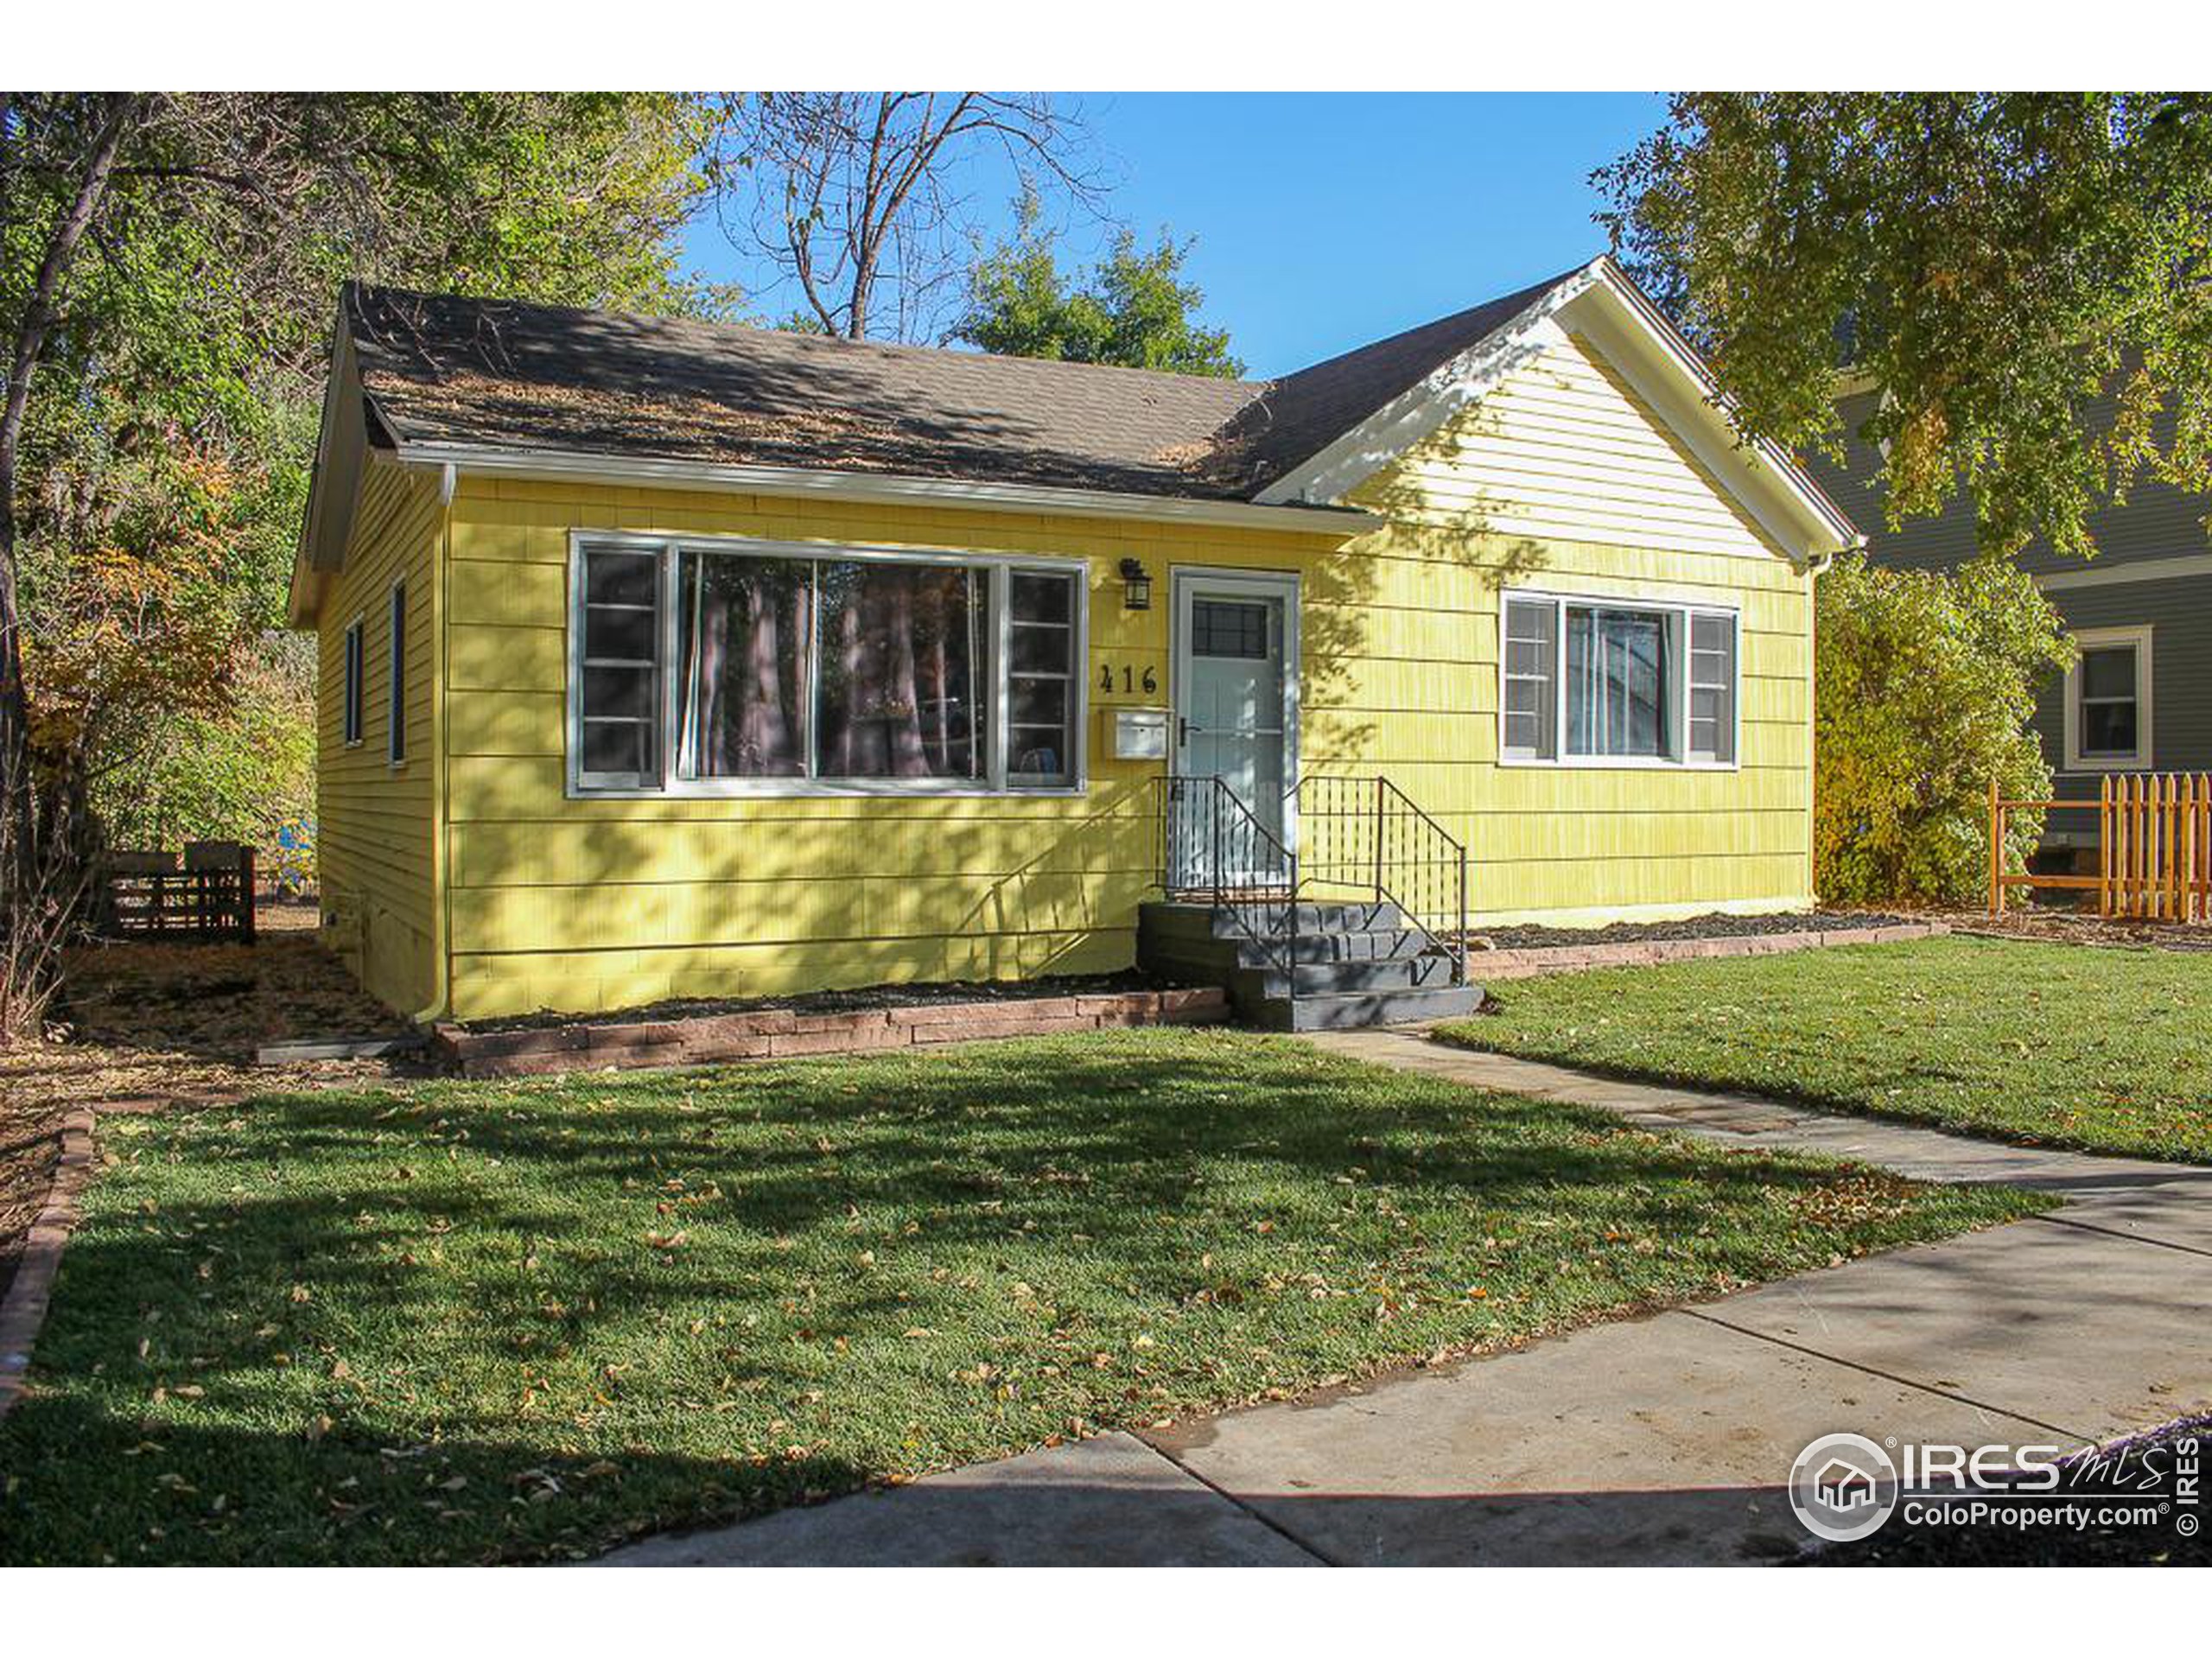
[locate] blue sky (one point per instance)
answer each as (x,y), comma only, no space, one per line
(1325,220)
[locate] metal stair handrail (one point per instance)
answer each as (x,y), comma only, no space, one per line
(1365,833)
(1243,859)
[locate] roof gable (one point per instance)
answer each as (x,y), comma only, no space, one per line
(1605,313)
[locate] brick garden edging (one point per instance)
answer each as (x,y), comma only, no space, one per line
(24,1309)
(1486,965)
(776,1033)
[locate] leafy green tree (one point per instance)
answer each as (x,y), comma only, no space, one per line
(1993,261)
(1134,310)
(1926,683)
(169,264)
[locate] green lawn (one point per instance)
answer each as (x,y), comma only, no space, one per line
(2105,1050)
(484,1321)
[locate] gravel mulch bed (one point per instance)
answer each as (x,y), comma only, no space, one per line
(2056,926)
(2144,1456)
(1690,927)
(851,1002)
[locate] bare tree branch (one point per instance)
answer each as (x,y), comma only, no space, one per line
(865,193)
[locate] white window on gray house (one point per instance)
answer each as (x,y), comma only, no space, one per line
(1599,681)
(354,690)
(396,719)
(742,668)
(2108,700)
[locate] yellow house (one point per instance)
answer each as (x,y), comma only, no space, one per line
(663,659)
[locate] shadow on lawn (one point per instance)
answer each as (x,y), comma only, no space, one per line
(103,1487)
(431,1263)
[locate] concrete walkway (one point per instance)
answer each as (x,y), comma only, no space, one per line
(1656,1440)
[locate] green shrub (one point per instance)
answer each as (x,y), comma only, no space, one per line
(1925,685)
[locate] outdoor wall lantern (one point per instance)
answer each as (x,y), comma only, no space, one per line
(1136,594)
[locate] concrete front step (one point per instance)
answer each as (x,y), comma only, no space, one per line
(1345,1011)
(1349,964)
(1171,920)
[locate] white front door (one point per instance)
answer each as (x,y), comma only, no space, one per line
(1235,693)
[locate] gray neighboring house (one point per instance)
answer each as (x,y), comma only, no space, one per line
(2141,699)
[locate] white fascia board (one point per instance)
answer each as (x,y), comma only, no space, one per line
(887,489)
(2176,569)
(1423,407)
(1693,406)
(340,438)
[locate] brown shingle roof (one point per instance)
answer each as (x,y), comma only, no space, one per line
(502,374)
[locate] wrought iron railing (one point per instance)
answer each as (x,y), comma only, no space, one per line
(1345,840)
(1365,836)
(1215,851)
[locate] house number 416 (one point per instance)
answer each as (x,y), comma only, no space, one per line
(1131,680)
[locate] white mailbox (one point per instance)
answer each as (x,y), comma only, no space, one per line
(1139,733)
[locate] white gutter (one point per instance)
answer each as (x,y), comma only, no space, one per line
(889,489)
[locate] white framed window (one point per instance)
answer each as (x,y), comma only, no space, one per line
(731,666)
(2108,700)
(396,714)
(353,695)
(1585,680)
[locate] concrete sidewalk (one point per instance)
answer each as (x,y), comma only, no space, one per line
(1656,1440)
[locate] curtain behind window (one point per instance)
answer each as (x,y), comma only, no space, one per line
(1616,676)
(888,690)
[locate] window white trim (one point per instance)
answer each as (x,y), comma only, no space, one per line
(394,710)
(353,680)
(2091,639)
(1678,610)
(672,785)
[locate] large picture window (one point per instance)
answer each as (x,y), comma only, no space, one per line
(1600,681)
(776,669)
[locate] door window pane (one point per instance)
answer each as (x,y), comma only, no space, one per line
(1222,627)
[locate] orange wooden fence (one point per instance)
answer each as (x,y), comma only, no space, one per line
(2154,847)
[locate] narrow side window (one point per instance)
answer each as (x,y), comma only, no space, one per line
(618,686)
(395,745)
(353,694)
(1041,690)
(1712,688)
(1531,676)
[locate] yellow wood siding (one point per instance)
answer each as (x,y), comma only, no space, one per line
(1559,478)
(602,903)
(1565,450)
(374,819)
